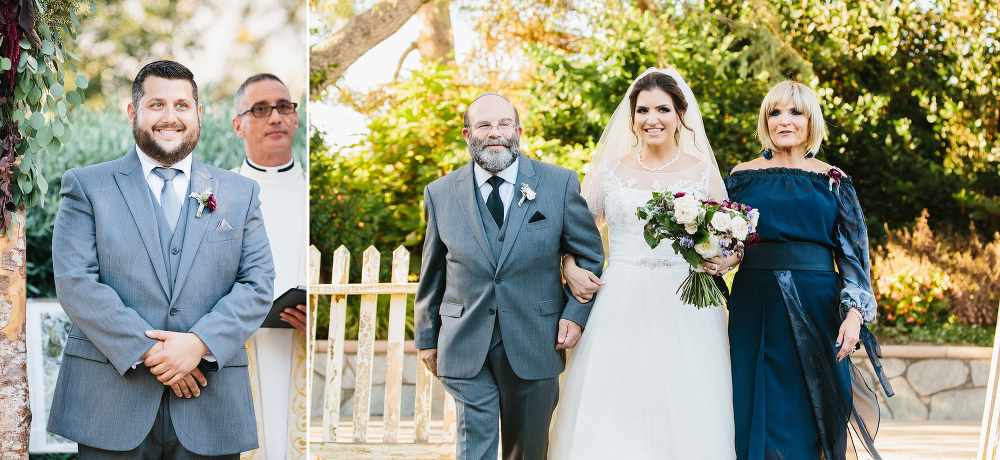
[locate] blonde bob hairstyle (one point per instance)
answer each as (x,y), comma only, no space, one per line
(802,98)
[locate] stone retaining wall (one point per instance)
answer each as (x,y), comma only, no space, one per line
(931,383)
(932,388)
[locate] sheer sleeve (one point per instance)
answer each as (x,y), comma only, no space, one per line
(852,254)
(716,186)
(593,190)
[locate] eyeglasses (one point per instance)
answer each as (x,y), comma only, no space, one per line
(264,111)
(504,127)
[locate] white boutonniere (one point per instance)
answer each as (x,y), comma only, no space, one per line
(526,194)
(206,199)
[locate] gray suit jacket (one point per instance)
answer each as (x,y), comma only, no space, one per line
(111,278)
(461,283)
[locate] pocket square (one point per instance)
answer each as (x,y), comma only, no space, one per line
(536,217)
(223,225)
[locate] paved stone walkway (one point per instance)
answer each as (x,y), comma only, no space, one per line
(926,440)
(895,440)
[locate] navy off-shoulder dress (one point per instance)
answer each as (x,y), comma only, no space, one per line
(791,398)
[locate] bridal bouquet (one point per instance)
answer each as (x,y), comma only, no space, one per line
(701,230)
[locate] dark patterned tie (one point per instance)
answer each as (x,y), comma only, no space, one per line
(168,197)
(493,203)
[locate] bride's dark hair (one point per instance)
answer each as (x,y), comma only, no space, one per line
(662,82)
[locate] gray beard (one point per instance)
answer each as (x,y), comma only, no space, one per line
(494,161)
(144,139)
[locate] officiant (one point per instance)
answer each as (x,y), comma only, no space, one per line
(267,119)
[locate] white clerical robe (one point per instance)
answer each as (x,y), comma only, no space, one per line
(278,357)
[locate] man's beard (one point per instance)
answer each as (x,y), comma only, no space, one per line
(494,160)
(149,146)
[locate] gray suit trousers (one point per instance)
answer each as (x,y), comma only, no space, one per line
(160,444)
(523,407)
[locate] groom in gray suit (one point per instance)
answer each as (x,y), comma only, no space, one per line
(492,317)
(162,294)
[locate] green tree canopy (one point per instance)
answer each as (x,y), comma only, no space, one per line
(908,95)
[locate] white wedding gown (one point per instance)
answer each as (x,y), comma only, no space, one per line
(650,378)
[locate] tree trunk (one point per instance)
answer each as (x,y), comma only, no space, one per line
(646,5)
(330,58)
(15,417)
(435,41)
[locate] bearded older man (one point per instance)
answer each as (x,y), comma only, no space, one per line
(492,317)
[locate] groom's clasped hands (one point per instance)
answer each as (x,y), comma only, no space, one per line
(174,360)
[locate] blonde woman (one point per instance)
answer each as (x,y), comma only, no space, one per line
(801,296)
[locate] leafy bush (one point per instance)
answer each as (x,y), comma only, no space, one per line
(934,289)
(103,135)
(345,212)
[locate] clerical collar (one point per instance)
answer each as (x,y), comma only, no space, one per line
(277,169)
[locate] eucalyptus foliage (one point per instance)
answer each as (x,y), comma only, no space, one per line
(43,99)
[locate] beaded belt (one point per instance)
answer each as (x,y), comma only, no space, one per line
(648,262)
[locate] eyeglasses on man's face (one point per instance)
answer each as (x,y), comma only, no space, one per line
(264,111)
(485,127)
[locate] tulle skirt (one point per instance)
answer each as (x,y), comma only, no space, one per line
(649,379)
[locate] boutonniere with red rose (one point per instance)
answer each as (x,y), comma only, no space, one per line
(206,199)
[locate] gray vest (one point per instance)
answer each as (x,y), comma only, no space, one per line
(171,244)
(495,237)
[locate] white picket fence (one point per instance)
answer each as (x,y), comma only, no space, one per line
(370,288)
(989,435)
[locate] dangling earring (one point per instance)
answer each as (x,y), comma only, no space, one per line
(810,154)
(767,154)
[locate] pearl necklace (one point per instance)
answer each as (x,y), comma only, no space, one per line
(647,168)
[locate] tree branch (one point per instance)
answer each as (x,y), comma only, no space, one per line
(402,58)
(330,58)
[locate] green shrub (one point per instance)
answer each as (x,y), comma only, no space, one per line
(935,289)
(337,212)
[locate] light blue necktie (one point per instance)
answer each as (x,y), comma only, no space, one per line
(168,197)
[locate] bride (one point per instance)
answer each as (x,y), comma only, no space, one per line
(650,378)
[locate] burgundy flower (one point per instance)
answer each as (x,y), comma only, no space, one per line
(752,240)
(679,194)
(835,175)
(206,199)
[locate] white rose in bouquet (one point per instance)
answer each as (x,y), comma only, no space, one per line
(686,209)
(739,228)
(721,221)
(710,248)
(691,228)
(753,215)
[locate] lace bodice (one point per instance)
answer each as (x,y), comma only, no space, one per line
(623,194)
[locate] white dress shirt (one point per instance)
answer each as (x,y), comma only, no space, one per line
(156,182)
(507,188)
